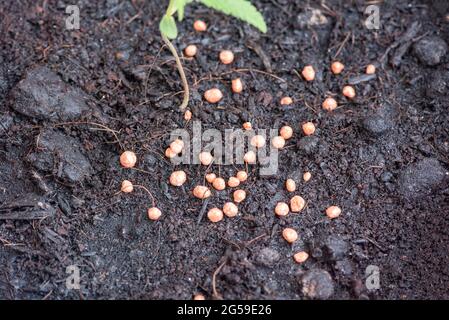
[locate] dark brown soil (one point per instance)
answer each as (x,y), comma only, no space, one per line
(383,158)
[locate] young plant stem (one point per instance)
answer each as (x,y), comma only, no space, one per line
(147,191)
(185,100)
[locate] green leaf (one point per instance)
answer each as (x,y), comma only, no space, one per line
(241,9)
(180,5)
(168,28)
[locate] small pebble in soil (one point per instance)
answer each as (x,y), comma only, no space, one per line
(191,50)
(306,176)
(127,186)
(205,158)
(128,159)
(226,57)
(290,185)
(215,215)
(233,182)
(199,26)
(343,267)
(300,257)
(437,86)
(431,50)
(230,209)
(239,195)
(329,104)
(43,95)
(421,178)
(308,128)
(337,67)
(237,85)
(348,92)
(286,101)
(199,296)
(219,184)
(333,212)
(278,142)
(290,235)
(247,126)
(333,247)
(258,141)
(210,177)
(281,209)
(286,132)
(201,192)
(187,115)
(297,203)
(317,284)
(59,150)
(308,73)
(178,178)
(380,120)
(267,257)
(154,213)
(370,69)
(213,95)
(176,146)
(242,176)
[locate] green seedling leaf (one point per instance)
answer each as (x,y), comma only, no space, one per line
(241,9)
(180,5)
(167,26)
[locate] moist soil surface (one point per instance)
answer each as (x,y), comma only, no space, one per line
(71,101)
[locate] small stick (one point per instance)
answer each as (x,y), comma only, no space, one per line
(148,191)
(214,280)
(185,100)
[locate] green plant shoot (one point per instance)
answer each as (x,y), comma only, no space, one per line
(241,9)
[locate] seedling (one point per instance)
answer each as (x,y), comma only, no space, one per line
(241,9)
